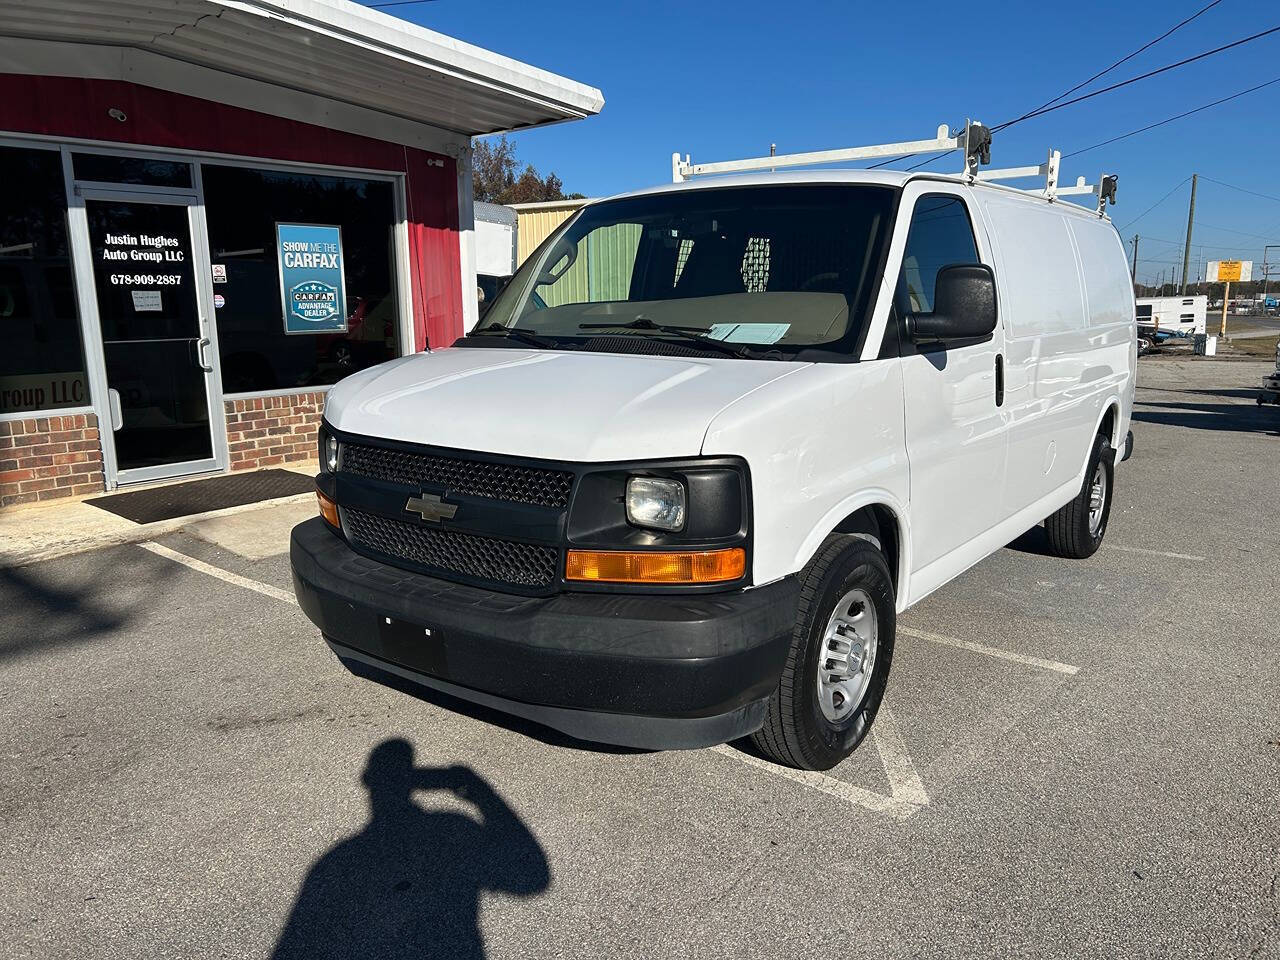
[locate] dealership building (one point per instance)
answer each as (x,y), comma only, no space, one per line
(212,210)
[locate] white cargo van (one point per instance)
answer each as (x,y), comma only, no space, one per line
(710,440)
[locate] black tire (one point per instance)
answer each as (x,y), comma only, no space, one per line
(1069,531)
(796,733)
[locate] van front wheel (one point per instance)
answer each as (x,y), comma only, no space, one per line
(838,664)
(1076,531)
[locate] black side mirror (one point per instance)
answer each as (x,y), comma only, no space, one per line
(964,306)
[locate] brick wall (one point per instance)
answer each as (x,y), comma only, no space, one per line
(267,431)
(46,457)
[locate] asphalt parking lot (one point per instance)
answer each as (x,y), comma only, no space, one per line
(1075,759)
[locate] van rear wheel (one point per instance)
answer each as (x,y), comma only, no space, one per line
(838,664)
(1076,531)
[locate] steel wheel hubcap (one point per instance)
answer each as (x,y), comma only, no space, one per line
(848,655)
(1097,499)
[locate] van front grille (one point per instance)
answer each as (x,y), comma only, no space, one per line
(538,486)
(451,552)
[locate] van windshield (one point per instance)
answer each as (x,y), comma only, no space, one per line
(771,269)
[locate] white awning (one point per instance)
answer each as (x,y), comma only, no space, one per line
(330,48)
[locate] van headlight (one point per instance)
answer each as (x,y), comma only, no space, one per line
(656,503)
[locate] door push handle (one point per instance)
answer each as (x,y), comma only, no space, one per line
(999,380)
(113,407)
(201,362)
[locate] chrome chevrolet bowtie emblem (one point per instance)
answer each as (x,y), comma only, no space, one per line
(430,507)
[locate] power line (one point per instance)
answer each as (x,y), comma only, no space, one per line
(1152,126)
(1150,43)
(398,3)
(1142,76)
(1243,233)
(1052,105)
(1198,245)
(1156,204)
(1265,196)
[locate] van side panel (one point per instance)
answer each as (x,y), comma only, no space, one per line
(1112,337)
(1059,370)
(819,446)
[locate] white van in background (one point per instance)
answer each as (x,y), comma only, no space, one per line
(710,440)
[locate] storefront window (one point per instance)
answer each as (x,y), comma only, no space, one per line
(108,168)
(303,276)
(42,361)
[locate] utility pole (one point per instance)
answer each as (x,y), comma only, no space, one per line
(1133,271)
(1191,217)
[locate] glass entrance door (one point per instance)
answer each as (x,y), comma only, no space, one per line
(155,342)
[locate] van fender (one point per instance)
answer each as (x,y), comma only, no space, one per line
(1111,403)
(872,497)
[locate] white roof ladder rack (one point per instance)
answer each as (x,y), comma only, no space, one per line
(1104,189)
(974,140)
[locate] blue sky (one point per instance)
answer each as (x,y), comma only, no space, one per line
(722,80)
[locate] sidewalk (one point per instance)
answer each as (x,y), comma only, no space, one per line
(42,531)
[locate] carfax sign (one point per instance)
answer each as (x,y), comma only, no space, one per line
(311,280)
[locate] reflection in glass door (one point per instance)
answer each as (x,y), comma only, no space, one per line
(155,352)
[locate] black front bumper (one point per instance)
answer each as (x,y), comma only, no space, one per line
(652,671)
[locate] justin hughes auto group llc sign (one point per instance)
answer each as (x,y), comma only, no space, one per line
(312,285)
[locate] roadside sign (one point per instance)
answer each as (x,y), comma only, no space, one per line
(1229,271)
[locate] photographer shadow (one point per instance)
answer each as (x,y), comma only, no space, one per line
(409,883)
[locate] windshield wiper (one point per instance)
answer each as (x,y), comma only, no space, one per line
(688,334)
(515,333)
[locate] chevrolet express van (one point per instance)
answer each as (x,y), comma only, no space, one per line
(711,440)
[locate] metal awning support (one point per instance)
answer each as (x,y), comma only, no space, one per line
(975,140)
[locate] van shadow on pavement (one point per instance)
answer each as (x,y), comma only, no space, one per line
(1239,417)
(507,721)
(409,883)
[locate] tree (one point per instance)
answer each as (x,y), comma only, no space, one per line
(494,178)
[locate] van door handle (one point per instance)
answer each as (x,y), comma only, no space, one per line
(999,379)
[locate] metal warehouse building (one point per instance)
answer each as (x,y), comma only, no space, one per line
(212,210)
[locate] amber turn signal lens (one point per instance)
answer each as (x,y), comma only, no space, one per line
(700,566)
(329,510)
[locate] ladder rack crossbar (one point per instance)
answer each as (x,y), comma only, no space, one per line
(684,169)
(1014,173)
(1078,189)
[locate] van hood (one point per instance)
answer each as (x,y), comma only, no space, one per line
(553,405)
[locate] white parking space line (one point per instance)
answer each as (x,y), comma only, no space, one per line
(1040,662)
(1152,553)
(225,575)
(907,793)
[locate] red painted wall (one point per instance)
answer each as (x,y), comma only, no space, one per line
(73,107)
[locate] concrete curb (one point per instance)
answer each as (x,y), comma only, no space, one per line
(138,532)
